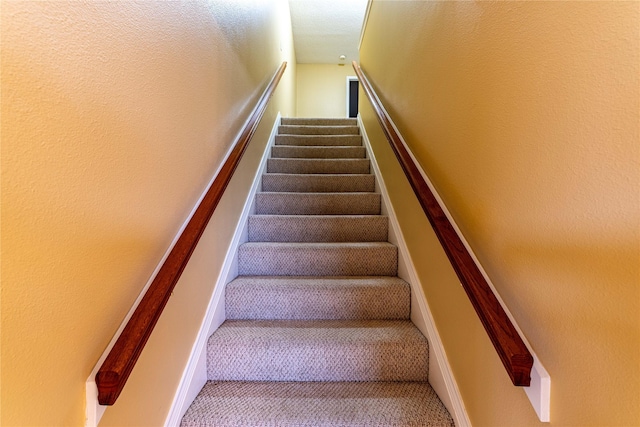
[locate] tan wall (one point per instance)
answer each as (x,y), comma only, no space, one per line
(525,115)
(322,90)
(114,118)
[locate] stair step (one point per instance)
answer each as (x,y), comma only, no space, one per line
(311,140)
(321,183)
(317,203)
(295,151)
(318,130)
(318,228)
(309,121)
(318,404)
(317,350)
(342,166)
(317,259)
(317,297)
(318,329)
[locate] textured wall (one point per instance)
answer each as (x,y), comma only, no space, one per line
(525,115)
(322,90)
(115,115)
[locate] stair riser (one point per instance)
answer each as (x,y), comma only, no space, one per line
(298,363)
(318,130)
(340,166)
(285,260)
(296,152)
(307,299)
(331,354)
(306,183)
(317,204)
(288,228)
(317,140)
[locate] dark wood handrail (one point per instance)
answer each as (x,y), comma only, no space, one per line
(116,368)
(514,354)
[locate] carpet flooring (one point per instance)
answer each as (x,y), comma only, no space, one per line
(317,330)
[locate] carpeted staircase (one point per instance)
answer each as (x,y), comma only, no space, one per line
(317,330)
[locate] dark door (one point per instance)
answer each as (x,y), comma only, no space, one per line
(353,98)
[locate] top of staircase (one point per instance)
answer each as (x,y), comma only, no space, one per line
(304,121)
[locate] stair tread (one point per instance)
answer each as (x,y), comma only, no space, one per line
(285,333)
(319,140)
(320,126)
(321,404)
(319,121)
(319,281)
(317,297)
(322,218)
(346,194)
(312,258)
(312,193)
(318,166)
(318,161)
(330,218)
(318,152)
(353,282)
(320,175)
(282,182)
(344,203)
(318,130)
(318,228)
(319,245)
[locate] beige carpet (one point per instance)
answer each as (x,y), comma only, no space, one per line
(317,330)
(316,298)
(323,404)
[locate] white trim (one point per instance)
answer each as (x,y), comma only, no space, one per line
(195,374)
(539,392)
(349,80)
(440,374)
(93,410)
(365,21)
(539,397)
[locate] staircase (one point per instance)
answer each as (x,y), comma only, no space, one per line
(317,330)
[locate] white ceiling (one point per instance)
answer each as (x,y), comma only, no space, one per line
(325,29)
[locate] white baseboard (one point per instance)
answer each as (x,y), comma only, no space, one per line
(539,393)
(195,373)
(93,410)
(440,374)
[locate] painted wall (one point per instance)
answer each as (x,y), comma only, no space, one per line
(525,116)
(115,116)
(322,90)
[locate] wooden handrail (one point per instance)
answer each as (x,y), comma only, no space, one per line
(514,354)
(116,368)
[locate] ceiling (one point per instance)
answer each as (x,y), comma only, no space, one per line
(325,29)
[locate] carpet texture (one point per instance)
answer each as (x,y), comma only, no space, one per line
(318,152)
(319,130)
(318,350)
(317,404)
(317,330)
(311,140)
(318,183)
(346,166)
(276,203)
(315,121)
(318,228)
(318,259)
(317,297)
